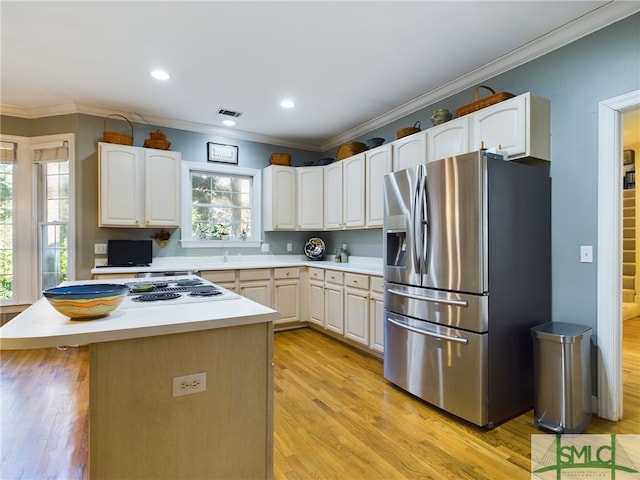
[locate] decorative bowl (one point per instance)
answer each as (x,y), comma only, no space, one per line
(314,248)
(86,301)
(141,287)
(374,142)
(441,115)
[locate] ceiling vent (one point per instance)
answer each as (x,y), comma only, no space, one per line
(229,113)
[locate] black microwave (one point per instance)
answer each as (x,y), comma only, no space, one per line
(128,253)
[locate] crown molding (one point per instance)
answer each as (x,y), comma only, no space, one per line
(607,14)
(604,16)
(42,111)
(38,111)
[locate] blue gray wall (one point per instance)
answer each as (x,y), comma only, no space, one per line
(575,78)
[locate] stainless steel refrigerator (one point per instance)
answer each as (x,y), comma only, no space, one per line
(467,270)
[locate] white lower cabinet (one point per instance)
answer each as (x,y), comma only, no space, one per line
(256,285)
(316,296)
(356,308)
(277,288)
(348,304)
(334,302)
(376,314)
(224,278)
(286,293)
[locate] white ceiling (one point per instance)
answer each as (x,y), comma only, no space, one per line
(349,66)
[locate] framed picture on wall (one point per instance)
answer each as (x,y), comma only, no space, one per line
(217,152)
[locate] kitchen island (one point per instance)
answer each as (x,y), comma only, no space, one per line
(139,429)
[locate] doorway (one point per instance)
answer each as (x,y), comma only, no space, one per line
(609,315)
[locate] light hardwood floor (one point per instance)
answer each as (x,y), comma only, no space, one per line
(335,418)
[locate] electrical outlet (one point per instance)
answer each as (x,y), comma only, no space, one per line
(265,247)
(99,262)
(289,247)
(187,384)
(100,249)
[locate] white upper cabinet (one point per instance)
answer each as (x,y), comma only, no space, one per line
(279,194)
(448,139)
(410,150)
(353,186)
(138,187)
(520,125)
(348,194)
(379,162)
(333,196)
(162,188)
(310,185)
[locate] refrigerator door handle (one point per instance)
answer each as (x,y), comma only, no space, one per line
(416,223)
(424,224)
(457,303)
(449,338)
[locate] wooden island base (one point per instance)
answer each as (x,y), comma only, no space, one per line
(138,429)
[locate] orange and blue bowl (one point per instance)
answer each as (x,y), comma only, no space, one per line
(85,302)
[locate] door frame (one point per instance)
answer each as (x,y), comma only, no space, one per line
(609,255)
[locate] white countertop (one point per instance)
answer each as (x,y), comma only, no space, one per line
(41,326)
(365,265)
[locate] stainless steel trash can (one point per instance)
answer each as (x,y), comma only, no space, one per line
(562,376)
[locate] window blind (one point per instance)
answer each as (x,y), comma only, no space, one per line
(8,152)
(57,151)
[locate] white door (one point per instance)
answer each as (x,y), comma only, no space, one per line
(502,126)
(162,188)
(410,151)
(378,164)
(333,196)
(310,185)
(120,184)
(448,139)
(353,178)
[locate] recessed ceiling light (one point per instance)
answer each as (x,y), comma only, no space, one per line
(160,75)
(228,123)
(286,103)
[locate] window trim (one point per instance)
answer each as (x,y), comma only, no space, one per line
(256,205)
(46,141)
(26,261)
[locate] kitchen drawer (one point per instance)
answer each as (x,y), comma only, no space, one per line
(286,272)
(356,280)
(316,274)
(377,284)
(222,276)
(332,276)
(260,274)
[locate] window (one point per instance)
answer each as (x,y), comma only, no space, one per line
(36,216)
(7,161)
(220,206)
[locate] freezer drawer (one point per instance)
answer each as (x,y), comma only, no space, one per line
(455,310)
(444,366)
